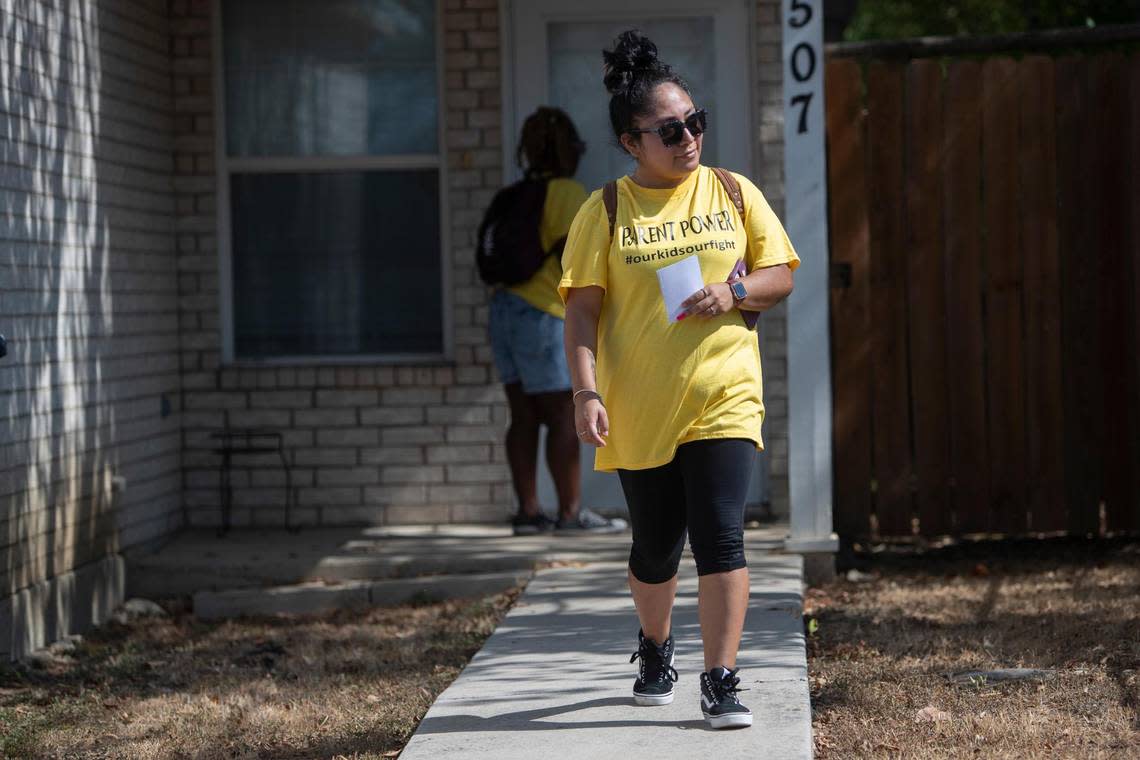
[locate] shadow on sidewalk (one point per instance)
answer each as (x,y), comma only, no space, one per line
(532,720)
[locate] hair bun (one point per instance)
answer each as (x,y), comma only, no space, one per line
(632,54)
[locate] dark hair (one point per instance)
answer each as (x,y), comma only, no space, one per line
(632,72)
(549,143)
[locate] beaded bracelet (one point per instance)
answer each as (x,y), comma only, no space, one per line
(596,395)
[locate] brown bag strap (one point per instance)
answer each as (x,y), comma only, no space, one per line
(731,186)
(609,198)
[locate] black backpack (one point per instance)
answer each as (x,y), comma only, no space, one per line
(509,248)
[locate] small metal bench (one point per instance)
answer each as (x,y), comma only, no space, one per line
(240,441)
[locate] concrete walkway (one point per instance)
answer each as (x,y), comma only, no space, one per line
(554,679)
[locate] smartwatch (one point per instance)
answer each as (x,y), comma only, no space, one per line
(739,292)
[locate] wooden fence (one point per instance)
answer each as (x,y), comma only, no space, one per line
(985,294)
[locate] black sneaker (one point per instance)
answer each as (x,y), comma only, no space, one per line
(655,674)
(719,702)
(527,525)
(589,521)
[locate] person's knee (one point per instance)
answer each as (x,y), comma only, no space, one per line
(523,428)
(653,567)
(523,411)
(720,554)
(556,411)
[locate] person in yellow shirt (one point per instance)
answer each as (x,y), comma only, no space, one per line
(525,325)
(673,402)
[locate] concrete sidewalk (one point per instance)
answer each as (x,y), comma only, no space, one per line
(555,678)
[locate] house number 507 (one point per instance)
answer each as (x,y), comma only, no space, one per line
(802,60)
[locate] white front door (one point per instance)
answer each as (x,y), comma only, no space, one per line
(554,58)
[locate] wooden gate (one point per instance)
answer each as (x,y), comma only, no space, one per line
(985,254)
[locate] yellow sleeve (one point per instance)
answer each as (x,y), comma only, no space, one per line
(768,243)
(564,197)
(585,260)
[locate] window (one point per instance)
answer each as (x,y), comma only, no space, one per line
(330,180)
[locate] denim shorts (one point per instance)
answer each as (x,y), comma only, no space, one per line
(527,345)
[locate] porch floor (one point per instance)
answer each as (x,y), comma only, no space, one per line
(200,560)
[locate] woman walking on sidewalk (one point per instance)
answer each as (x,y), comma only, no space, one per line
(673,401)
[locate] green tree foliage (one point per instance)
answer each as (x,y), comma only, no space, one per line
(898,19)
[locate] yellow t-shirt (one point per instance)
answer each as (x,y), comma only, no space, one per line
(667,383)
(564,197)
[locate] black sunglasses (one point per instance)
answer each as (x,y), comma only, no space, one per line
(672,132)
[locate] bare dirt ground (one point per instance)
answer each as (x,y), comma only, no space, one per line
(884,645)
(344,685)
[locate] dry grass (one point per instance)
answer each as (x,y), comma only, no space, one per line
(350,684)
(882,650)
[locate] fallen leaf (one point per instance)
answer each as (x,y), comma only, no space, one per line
(931,714)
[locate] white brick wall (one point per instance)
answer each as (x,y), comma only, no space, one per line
(372,444)
(380,444)
(88,300)
(769,117)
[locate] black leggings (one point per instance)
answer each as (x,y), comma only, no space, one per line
(703,488)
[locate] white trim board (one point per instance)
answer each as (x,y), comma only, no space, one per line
(809,344)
